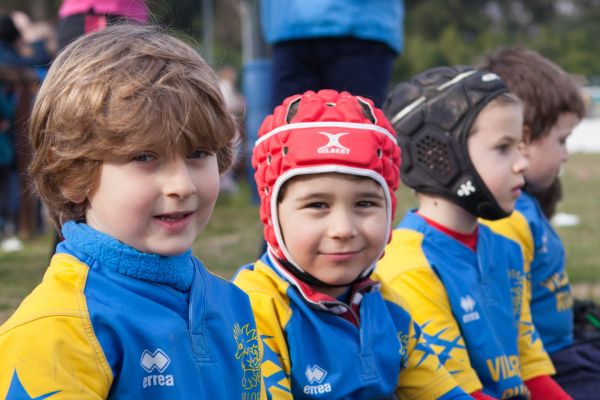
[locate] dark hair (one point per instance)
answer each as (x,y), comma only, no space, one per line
(545,89)
(549,197)
(8,31)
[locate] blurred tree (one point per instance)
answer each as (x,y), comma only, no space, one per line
(436,31)
(439,32)
(186,16)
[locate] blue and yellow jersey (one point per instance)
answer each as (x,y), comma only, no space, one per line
(310,351)
(469,304)
(110,322)
(551,297)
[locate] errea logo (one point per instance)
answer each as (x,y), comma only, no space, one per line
(333,146)
(157,361)
(315,376)
(467,303)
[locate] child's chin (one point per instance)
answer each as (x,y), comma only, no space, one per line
(509,210)
(169,251)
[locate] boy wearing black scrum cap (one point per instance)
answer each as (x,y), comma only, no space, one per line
(460,134)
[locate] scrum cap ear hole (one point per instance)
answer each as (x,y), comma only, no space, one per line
(292,109)
(367,110)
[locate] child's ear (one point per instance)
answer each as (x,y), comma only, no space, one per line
(525,142)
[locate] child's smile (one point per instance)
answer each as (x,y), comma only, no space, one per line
(155,204)
(174,222)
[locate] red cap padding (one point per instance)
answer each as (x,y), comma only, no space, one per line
(319,133)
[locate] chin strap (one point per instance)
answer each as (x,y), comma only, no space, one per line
(315,282)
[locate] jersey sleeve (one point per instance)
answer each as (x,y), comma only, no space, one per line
(48,345)
(406,270)
(430,308)
(422,375)
(271,313)
(52,355)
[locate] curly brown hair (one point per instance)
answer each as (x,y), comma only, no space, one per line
(113,93)
(545,89)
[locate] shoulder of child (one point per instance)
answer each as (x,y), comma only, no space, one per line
(404,253)
(516,227)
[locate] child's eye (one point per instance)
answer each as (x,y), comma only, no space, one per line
(200,153)
(144,157)
(365,203)
(317,204)
(503,148)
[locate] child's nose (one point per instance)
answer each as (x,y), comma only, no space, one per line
(179,181)
(342,225)
(564,156)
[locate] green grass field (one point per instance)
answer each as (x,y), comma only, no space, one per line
(233,237)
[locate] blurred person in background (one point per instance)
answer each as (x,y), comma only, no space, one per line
(234,101)
(22,44)
(77,17)
(345,45)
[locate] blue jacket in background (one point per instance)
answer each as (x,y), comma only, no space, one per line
(380,20)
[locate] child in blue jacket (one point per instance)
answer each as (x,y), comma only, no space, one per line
(327,167)
(553,106)
(129,134)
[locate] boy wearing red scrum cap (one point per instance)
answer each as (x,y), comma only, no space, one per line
(460,133)
(327,168)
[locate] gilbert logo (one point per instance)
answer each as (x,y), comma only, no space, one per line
(465,189)
(157,362)
(333,146)
(467,303)
(316,375)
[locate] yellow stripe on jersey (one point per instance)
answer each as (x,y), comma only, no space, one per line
(272,312)
(408,272)
(49,341)
(516,228)
(423,376)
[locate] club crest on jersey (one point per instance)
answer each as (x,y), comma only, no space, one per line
(248,351)
(333,146)
(403,351)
